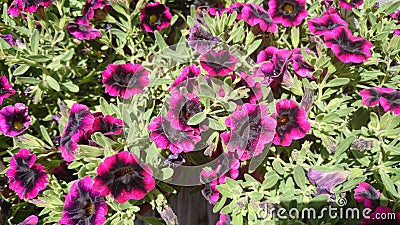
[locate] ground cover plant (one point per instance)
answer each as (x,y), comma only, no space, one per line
(276,111)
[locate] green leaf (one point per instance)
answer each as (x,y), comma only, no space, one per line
(337,82)
(300,177)
(278,167)
(215,124)
(253,46)
(38,58)
(388,183)
(45,135)
(206,91)
(218,206)
(196,119)
(70,86)
(105,107)
(53,83)
(271,178)
(35,41)
(117,7)
(160,40)
(21,70)
(295,36)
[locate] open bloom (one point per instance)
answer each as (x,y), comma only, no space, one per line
(90,6)
(187,79)
(83,205)
(287,12)
(382,215)
(155,16)
(300,66)
(182,108)
(30,6)
(326,23)
(167,137)
(236,7)
(218,63)
(266,54)
(30,220)
(327,181)
(390,101)
(125,80)
(123,177)
(349,4)
(82,30)
(292,123)
(107,125)
(372,96)
(346,47)
(251,128)
(24,177)
(254,14)
(367,194)
(201,40)
(80,121)
(5,89)
(14,120)
(223,219)
(9,39)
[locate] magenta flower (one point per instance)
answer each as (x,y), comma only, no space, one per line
(30,220)
(24,177)
(182,108)
(107,125)
(223,219)
(30,6)
(292,123)
(236,7)
(287,12)
(80,121)
(250,129)
(371,96)
(187,79)
(327,181)
(390,101)
(396,32)
(218,63)
(349,4)
(326,23)
(155,16)
(254,15)
(300,66)
(90,6)
(201,40)
(266,54)
(9,39)
(382,215)
(82,30)
(14,120)
(83,204)
(346,47)
(167,137)
(123,177)
(253,95)
(125,80)
(367,194)
(210,191)
(5,89)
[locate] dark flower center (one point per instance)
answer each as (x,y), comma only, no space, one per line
(83,28)
(283,119)
(18,124)
(89,208)
(189,109)
(153,18)
(122,172)
(349,45)
(288,8)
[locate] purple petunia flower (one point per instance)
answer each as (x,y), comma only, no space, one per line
(182,108)
(236,7)
(82,30)
(382,215)
(29,6)
(326,181)
(367,194)
(300,66)
(186,79)
(346,47)
(30,220)
(125,80)
(287,12)
(14,120)
(9,39)
(266,54)
(223,219)
(24,177)
(167,137)
(123,177)
(80,120)
(371,96)
(5,89)
(326,23)
(210,191)
(83,204)
(201,40)
(107,125)
(250,129)
(349,4)
(390,101)
(218,63)
(292,123)
(155,16)
(396,32)
(91,5)
(254,14)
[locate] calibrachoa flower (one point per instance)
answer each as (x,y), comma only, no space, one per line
(349,4)
(14,120)
(382,215)
(30,220)
(266,54)
(9,39)
(185,79)
(223,219)
(287,12)
(29,6)
(371,96)
(300,66)
(237,7)
(107,125)
(218,63)
(250,129)
(182,108)
(25,177)
(292,123)
(326,181)
(326,23)
(390,102)
(82,30)
(90,6)
(83,204)
(5,89)
(167,137)
(125,80)
(201,40)
(254,14)
(367,194)
(209,191)
(346,47)
(123,177)
(155,16)
(80,120)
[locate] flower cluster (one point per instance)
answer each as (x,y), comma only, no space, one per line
(388,98)
(27,6)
